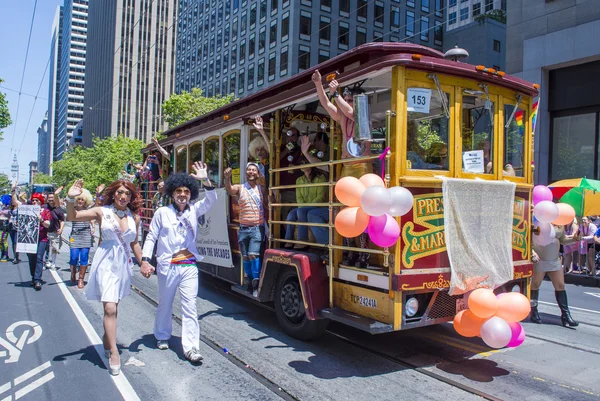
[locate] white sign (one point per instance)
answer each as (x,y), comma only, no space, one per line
(419,100)
(28,228)
(212,239)
(473,161)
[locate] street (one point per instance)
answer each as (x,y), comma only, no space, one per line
(53,351)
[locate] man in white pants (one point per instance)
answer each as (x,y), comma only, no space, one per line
(174,227)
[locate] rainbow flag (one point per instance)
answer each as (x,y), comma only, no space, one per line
(534,110)
(519,121)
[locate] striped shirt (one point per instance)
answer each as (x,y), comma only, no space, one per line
(81,235)
(251,207)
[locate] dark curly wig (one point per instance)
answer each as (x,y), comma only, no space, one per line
(109,193)
(179,180)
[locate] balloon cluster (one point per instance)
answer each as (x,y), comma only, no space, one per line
(371,208)
(494,318)
(547,213)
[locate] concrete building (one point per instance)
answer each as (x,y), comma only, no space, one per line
(44,156)
(479,26)
(72,71)
(130,67)
(555,43)
(48,148)
(33,170)
(242,46)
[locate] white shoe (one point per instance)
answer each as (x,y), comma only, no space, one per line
(48,264)
(193,355)
(255,293)
(162,344)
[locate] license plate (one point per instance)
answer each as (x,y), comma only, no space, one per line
(461,304)
(364,301)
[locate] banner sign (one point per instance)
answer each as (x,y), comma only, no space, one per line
(28,228)
(212,239)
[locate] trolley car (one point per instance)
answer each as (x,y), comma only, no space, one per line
(464,107)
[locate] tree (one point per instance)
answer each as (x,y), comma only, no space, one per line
(186,106)
(4,183)
(5,120)
(99,164)
(41,178)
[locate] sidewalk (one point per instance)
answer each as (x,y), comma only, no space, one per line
(582,280)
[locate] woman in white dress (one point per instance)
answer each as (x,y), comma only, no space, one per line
(110,275)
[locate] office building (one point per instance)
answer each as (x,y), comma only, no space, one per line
(130,68)
(47,148)
(555,44)
(479,26)
(242,46)
(72,72)
(44,156)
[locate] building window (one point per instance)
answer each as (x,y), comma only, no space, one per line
(260,72)
(361,36)
(242,52)
(345,8)
(497,46)
(232,84)
(262,38)
(425,29)
(274,4)
(252,16)
(377,36)
(395,16)
(304,59)
(489,5)
(451,3)
(241,77)
(285,26)
(283,61)
(476,9)
(305,22)
(326,5)
(251,46)
(273,34)
(323,56)
(343,36)
(452,18)
(503,5)
(243,24)
(410,3)
(379,14)
(234,29)
(225,62)
(233,57)
(425,5)
(272,66)
(438,33)
(361,11)
(224,87)
(464,14)
(263,10)
(218,67)
(325,31)
(410,23)
(251,77)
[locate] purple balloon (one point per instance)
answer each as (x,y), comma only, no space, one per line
(518,335)
(383,230)
(541,193)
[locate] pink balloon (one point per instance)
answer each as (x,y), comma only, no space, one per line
(541,193)
(518,335)
(383,230)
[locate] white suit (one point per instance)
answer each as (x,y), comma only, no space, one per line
(173,234)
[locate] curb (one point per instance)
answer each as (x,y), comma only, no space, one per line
(582,280)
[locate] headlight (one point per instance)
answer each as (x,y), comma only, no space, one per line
(411,307)
(516,288)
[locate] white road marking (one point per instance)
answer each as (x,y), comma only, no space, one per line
(120,381)
(4,387)
(571,307)
(31,373)
(594,294)
(32,386)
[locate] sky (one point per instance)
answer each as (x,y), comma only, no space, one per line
(15,22)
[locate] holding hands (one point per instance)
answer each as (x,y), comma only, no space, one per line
(147,269)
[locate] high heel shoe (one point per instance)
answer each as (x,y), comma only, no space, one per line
(114,369)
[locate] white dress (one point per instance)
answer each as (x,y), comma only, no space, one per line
(112,267)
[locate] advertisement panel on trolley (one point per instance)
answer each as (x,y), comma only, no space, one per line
(212,239)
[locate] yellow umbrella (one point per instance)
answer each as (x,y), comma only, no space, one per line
(585,198)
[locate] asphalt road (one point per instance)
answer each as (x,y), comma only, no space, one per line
(262,363)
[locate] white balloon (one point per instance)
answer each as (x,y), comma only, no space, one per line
(376,201)
(495,332)
(402,201)
(546,211)
(546,236)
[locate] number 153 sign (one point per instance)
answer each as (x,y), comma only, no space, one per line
(419,100)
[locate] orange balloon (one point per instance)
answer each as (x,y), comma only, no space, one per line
(513,307)
(467,324)
(372,180)
(350,222)
(483,303)
(566,214)
(348,190)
